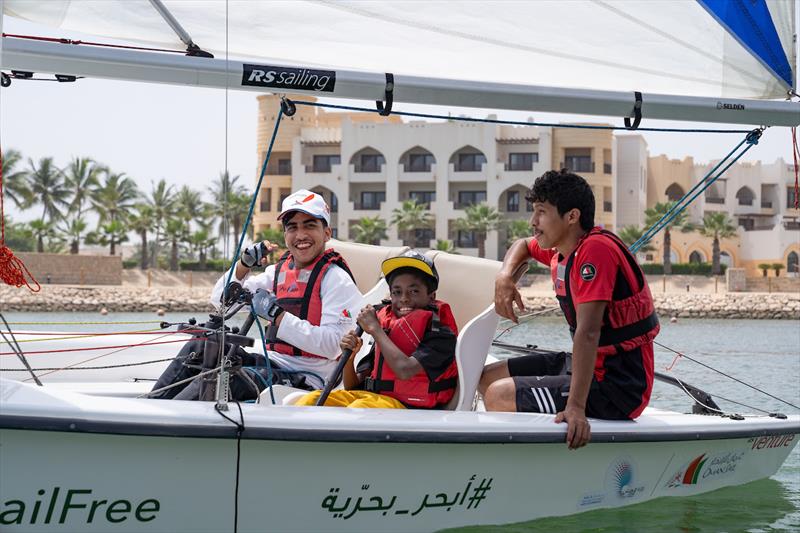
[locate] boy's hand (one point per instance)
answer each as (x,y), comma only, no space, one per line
(368,320)
(351,341)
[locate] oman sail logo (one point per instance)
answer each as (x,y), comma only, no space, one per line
(704,467)
(690,474)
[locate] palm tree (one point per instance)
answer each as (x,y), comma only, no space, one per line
(109,235)
(42,230)
(200,241)
(46,183)
(80,178)
(228,205)
(174,233)
(481,219)
(19,236)
(15,184)
(517,229)
(188,204)
(445,245)
(369,230)
(114,197)
(631,234)
(653,215)
(142,222)
(162,206)
(410,216)
(73,229)
(718,226)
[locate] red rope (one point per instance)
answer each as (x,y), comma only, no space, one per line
(12,270)
(98,334)
(89,43)
(796,154)
(63,350)
(670,367)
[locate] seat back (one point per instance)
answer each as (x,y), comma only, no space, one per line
(467,284)
(365,260)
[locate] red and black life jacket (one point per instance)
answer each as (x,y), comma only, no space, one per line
(298,292)
(630,319)
(406,333)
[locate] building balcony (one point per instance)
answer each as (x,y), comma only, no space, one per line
(466,175)
(578,166)
(359,175)
(504,173)
(791,225)
(415,176)
(768,227)
(739,209)
(318,175)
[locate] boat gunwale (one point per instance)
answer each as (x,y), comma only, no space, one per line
(273,433)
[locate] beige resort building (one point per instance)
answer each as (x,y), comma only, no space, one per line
(365,165)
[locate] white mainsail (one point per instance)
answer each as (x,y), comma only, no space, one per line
(543,55)
(668,47)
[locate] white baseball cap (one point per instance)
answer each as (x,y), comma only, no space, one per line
(306,202)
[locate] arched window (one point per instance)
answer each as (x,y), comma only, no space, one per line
(417,159)
(725,259)
(468,159)
(745,196)
(696,257)
(367,160)
(674,192)
(792,263)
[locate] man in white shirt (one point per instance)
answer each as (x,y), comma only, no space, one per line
(309,296)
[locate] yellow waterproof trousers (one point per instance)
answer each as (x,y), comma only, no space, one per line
(352,398)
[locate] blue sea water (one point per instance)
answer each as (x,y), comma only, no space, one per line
(763,353)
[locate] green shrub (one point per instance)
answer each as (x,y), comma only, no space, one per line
(212,265)
(685,269)
(130,263)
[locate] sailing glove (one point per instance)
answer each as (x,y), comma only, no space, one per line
(253,255)
(265,305)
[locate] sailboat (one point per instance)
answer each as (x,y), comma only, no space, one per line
(94,456)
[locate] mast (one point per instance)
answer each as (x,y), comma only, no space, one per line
(134,65)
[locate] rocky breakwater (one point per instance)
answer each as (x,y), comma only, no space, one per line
(784,306)
(60,298)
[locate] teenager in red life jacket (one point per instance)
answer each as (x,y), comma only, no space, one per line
(309,295)
(607,303)
(412,363)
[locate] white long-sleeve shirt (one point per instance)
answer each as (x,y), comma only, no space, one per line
(341,302)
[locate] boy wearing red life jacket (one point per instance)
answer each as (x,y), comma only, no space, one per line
(412,363)
(607,303)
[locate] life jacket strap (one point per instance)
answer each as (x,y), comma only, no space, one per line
(616,336)
(382,385)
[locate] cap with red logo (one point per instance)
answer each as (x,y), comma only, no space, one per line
(306,202)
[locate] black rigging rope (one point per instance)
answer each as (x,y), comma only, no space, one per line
(680,354)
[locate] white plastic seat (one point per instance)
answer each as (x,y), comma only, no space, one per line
(365,260)
(467,284)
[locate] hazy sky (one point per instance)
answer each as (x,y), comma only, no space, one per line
(152,131)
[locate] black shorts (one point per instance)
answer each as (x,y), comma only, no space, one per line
(542,386)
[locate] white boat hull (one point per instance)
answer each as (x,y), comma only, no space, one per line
(145,465)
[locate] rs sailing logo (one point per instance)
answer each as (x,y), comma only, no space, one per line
(289,78)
